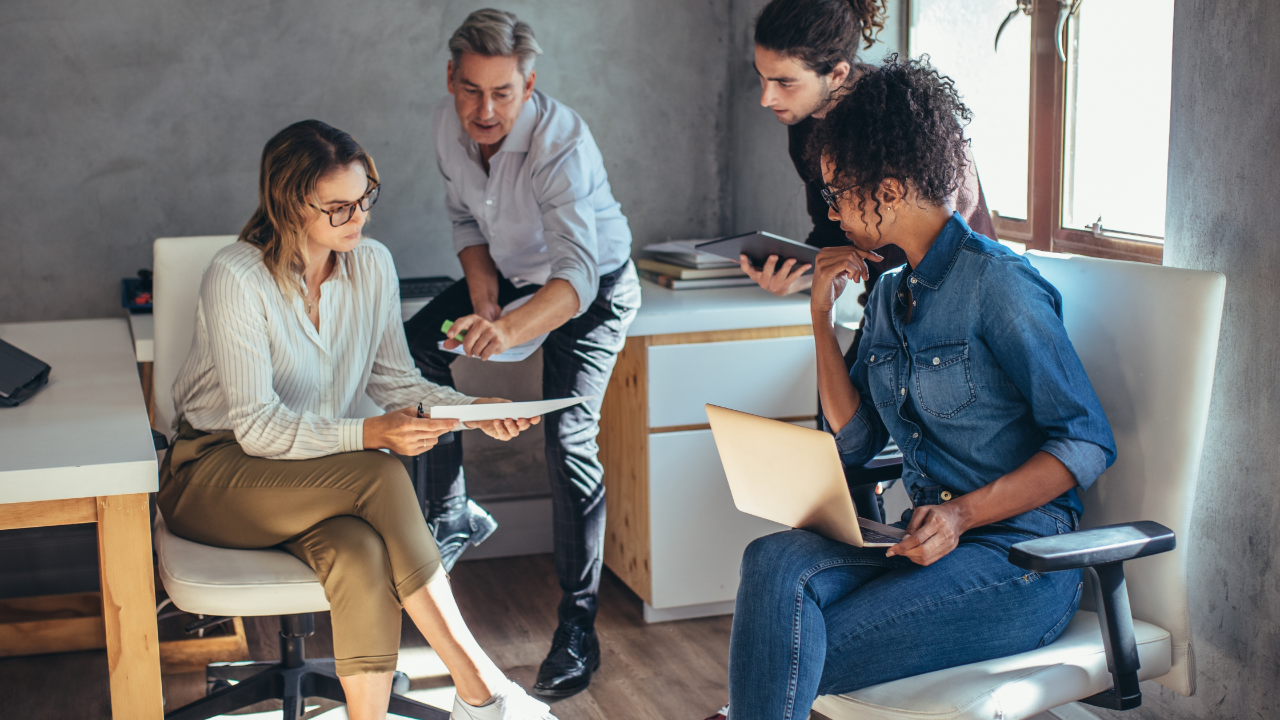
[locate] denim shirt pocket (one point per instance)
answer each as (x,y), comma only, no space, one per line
(944,385)
(882,374)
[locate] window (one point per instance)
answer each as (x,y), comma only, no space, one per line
(956,34)
(1073,154)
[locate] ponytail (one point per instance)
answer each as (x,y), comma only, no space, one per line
(820,33)
(870,16)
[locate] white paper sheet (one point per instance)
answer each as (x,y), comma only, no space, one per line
(513,354)
(496,411)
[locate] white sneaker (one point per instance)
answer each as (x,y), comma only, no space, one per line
(509,703)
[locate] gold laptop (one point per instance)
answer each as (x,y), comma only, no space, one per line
(791,475)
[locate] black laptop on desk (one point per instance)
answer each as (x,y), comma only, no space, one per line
(20,375)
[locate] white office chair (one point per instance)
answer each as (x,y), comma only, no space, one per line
(1148,338)
(213,581)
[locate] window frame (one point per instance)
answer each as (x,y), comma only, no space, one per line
(1043,229)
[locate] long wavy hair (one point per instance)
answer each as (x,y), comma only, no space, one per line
(293,162)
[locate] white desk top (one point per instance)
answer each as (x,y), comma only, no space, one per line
(86,433)
(664,311)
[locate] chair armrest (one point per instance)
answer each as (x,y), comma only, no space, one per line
(881,468)
(1096,546)
(1102,552)
(863,482)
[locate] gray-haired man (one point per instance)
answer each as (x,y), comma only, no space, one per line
(532,214)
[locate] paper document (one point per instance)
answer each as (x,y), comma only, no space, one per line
(513,354)
(498,411)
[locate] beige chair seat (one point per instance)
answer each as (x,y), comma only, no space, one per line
(208,580)
(1020,686)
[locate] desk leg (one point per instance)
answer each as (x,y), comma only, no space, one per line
(128,607)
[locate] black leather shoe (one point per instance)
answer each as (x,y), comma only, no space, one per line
(455,532)
(575,654)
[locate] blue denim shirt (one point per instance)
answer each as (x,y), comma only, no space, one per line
(981,379)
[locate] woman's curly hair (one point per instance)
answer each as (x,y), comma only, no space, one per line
(901,120)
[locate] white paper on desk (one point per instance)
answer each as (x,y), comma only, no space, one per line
(500,411)
(514,354)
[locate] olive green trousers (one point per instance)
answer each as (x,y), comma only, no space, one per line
(353,517)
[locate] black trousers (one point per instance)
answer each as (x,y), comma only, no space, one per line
(577,360)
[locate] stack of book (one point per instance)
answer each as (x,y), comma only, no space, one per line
(677,265)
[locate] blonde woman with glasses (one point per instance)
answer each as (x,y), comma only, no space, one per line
(295,323)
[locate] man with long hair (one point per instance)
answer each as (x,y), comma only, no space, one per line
(806,54)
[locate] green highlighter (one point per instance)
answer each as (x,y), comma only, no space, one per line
(445,329)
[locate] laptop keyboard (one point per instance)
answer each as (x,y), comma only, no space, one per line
(871,536)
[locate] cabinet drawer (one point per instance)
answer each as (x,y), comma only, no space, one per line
(696,534)
(774,378)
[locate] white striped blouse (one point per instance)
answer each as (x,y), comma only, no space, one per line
(260,368)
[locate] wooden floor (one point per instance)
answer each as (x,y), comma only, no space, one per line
(669,671)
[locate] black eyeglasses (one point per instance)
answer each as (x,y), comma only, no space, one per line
(831,196)
(342,214)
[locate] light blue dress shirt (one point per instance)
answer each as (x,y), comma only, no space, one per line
(545,208)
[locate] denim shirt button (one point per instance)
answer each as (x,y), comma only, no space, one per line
(904,391)
(873,358)
(915,435)
(936,361)
(946,495)
(913,280)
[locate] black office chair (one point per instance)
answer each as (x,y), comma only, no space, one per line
(867,483)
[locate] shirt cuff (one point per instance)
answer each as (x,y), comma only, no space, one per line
(1085,460)
(467,237)
(853,441)
(350,434)
(453,397)
(581,285)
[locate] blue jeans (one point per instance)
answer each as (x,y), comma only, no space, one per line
(817,617)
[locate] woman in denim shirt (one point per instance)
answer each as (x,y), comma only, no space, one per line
(965,363)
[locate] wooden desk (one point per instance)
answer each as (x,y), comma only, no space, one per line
(80,451)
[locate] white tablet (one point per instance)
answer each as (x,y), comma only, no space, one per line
(501,411)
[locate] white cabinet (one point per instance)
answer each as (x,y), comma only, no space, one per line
(773,377)
(673,534)
(696,534)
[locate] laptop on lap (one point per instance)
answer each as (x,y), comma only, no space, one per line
(791,475)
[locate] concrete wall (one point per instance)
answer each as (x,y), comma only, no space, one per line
(127,120)
(1223,212)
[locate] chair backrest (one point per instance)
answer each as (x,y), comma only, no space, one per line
(179,265)
(1148,338)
